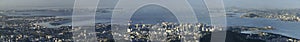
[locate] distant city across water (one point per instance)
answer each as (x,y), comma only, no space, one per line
(290,29)
(153,15)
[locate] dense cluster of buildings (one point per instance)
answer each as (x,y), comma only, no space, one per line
(25,29)
(255,33)
(269,37)
(168,31)
(35,34)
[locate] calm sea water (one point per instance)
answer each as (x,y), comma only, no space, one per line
(290,29)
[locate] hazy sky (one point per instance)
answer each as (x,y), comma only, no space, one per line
(25,4)
(263,3)
(16,4)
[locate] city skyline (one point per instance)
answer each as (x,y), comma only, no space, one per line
(31,4)
(150,20)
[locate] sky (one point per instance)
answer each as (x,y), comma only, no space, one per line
(263,3)
(28,4)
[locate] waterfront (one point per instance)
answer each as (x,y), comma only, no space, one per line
(287,28)
(281,27)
